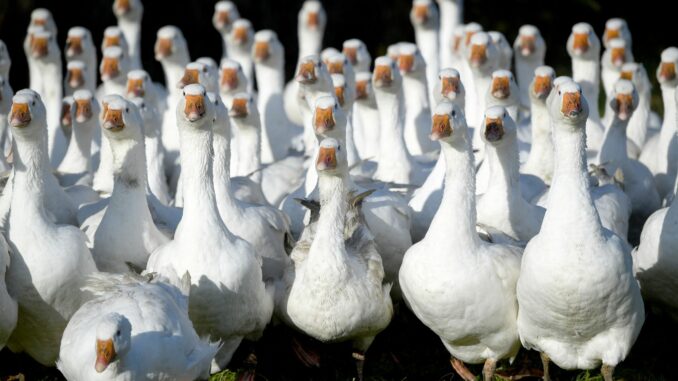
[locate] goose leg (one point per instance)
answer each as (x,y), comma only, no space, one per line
(488,369)
(545,363)
(607,371)
(359,358)
(462,370)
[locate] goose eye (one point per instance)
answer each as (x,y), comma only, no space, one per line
(143,106)
(127,109)
(504,115)
(204,93)
(579,91)
(338,148)
(454,113)
(117,333)
(184,93)
(559,92)
(318,64)
(33,103)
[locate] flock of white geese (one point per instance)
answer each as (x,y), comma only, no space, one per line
(148,229)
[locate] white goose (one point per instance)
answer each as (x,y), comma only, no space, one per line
(5,60)
(129,14)
(76,167)
(344,92)
(540,160)
(504,48)
(240,41)
(426,23)
(335,290)
(6,94)
(232,80)
(502,206)
(41,20)
(614,57)
(127,214)
(530,50)
(8,305)
(475,316)
(228,300)
(617,28)
(110,336)
(482,58)
(592,312)
(225,13)
(366,126)
(80,47)
(451,17)
(638,180)
(637,132)
(49,271)
(357,54)
(77,78)
(245,149)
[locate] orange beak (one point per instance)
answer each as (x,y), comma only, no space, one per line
(611,33)
(113,122)
(581,43)
(339,93)
(39,47)
(323,120)
(74,78)
(618,56)
(19,115)
(571,104)
(335,68)
(406,63)
(527,45)
(261,51)
(628,75)
(109,68)
(136,87)
(229,78)
(478,55)
(83,110)
(191,76)
(223,18)
(625,105)
(111,41)
(449,85)
(667,71)
(306,74)
(105,354)
(240,35)
(542,87)
(66,118)
(494,129)
(382,76)
(456,41)
(441,127)
(500,87)
(361,90)
(351,54)
(195,107)
(73,46)
(421,13)
(163,48)
(238,108)
(40,22)
(122,6)
(327,159)
(312,20)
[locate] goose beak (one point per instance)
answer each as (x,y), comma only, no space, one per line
(450,87)
(361,90)
(238,108)
(40,22)
(312,20)
(527,45)
(580,43)
(83,110)
(420,13)
(240,35)
(105,354)
(163,48)
(571,106)
(190,77)
(339,94)
(306,74)
(456,43)
(406,63)
(223,18)
(501,88)
(542,87)
(136,87)
(111,41)
(383,76)
(494,129)
(73,46)
(617,56)
(441,127)
(229,79)
(627,75)
(625,106)
(19,115)
(327,159)
(195,107)
(667,71)
(74,78)
(39,47)
(113,120)
(122,6)
(109,68)
(478,55)
(261,51)
(351,54)
(335,68)
(610,34)
(323,120)
(66,118)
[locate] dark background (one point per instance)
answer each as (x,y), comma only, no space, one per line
(377,22)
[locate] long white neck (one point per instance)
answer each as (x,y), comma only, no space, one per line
(613,149)
(117,85)
(455,221)
(667,135)
(451,15)
(394,160)
(247,155)
(77,159)
(129,174)
(243,55)
(271,81)
(369,124)
(570,207)
(330,228)
(227,203)
(637,131)
(224,44)
(310,42)
(154,160)
(481,82)
(132,32)
(504,188)
(174,70)
(427,41)
(586,72)
(524,73)
(541,160)
(417,114)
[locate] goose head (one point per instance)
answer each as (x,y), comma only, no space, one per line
(43,46)
(357,54)
(267,48)
(332,160)
(225,13)
(410,61)
(666,72)
(636,73)
(468,31)
(424,14)
(78,43)
(363,86)
(617,28)
(195,109)
(328,117)
(114,64)
(138,83)
(482,54)
(497,126)
(342,92)
(386,76)
(67,112)
(338,63)
(393,51)
(243,107)
(542,83)
(113,339)
(569,106)
(503,47)
(148,115)
(194,72)
(457,39)
(583,42)
(129,10)
(85,106)
(27,115)
(311,17)
(623,99)
(559,81)
(212,73)
(529,44)
(122,120)
(76,75)
(449,86)
(241,34)
(231,77)
(313,72)
(170,45)
(42,17)
(503,86)
(448,123)
(113,37)
(5,60)
(616,54)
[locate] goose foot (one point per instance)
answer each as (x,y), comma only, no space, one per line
(306,356)
(359,358)
(462,370)
(488,369)
(607,371)
(545,364)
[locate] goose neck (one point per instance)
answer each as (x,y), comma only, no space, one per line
(270,79)
(613,149)
(129,171)
(249,147)
(80,145)
(504,172)
(222,170)
(310,43)
(174,70)
(586,73)
(669,101)
(333,208)
(541,153)
(31,170)
(392,149)
(415,92)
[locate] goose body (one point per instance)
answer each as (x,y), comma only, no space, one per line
(8,305)
(76,166)
(129,14)
(529,51)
